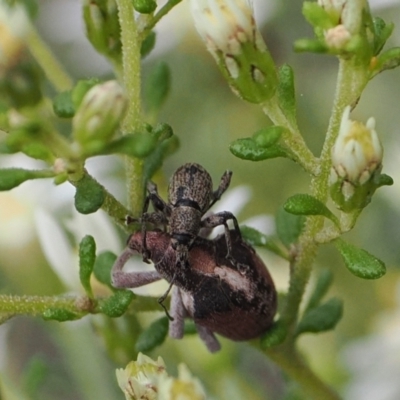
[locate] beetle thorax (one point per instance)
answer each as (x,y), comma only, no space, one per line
(185,221)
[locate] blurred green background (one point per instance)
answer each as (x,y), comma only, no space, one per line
(49,360)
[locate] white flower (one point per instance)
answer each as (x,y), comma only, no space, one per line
(224,24)
(148,379)
(357,152)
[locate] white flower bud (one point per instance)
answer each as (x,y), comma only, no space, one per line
(356,164)
(228,28)
(337,37)
(224,24)
(100,113)
(357,152)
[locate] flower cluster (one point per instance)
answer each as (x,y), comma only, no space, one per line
(148,379)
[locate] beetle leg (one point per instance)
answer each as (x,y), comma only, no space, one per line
(178,311)
(208,338)
(223,185)
(221,218)
(121,279)
(164,296)
(155,218)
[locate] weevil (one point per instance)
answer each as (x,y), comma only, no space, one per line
(190,196)
(239,305)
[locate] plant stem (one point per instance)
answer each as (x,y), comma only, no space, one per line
(132,122)
(293,139)
(54,71)
(36,305)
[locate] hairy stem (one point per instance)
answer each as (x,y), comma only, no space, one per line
(132,122)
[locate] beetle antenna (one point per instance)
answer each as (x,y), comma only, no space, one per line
(164,296)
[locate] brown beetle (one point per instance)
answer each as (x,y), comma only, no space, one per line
(237,304)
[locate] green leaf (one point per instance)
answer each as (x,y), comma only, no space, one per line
(153,336)
(138,145)
(154,161)
(385,180)
(322,318)
(310,45)
(116,305)
(87,257)
(102,267)
(162,131)
(382,34)
(274,336)
(13,177)
(305,204)
(289,226)
(59,314)
(266,137)
(390,59)
(322,285)
(286,92)
(317,16)
(144,6)
(89,196)
(157,86)
(63,106)
(247,149)
(80,90)
(148,44)
(360,262)
(255,238)
(38,151)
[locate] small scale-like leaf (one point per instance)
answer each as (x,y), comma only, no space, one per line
(148,44)
(274,336)
(138,145)
(102,267)
(266,137)
(322,285)
(389,59)
(317,16)
(157,86)
(153,336)
(385,180)
(80,90)
(154,160)
(247,149)
(116,305)
(286,91)
(360,262)
(305,204)
(87,257)
(144,6)
(289,226)
(13,177)
(59,314)
(38,151)
(63,106)
(310,45)
(322,318)
(382,34)
(89,196)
